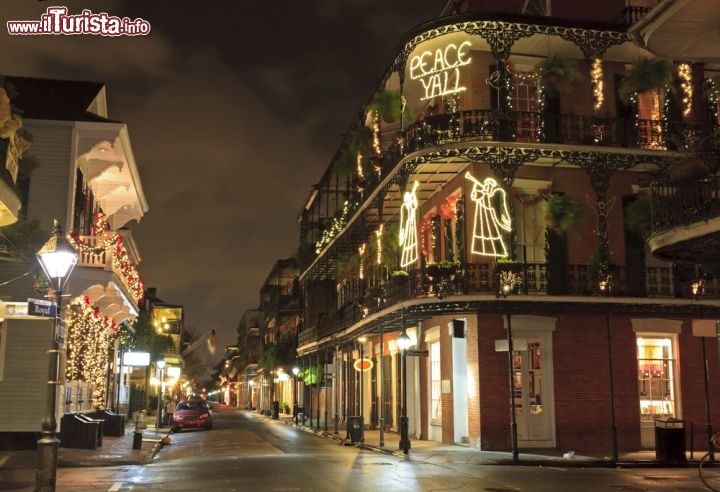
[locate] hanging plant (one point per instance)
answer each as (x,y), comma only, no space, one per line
(646,74)
(557,74)
(637,216)
(561,212)
(389,105)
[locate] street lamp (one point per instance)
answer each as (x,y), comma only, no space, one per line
(295,371)
(57,258)
(404,342)
(362,341)
(161,388)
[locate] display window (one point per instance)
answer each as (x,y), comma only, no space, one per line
(656,377)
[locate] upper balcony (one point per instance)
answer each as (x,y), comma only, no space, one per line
(106,273)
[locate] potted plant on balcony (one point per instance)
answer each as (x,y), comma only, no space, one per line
(561,214)
(399,277)
(389,104)
(556,74)
(646,74)
(357,141)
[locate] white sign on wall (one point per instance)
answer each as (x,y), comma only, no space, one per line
(439,71)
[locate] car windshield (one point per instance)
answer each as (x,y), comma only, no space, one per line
(192,405)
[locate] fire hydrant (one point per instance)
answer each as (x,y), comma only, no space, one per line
(139,426)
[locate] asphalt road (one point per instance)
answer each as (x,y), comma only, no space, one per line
(251,453)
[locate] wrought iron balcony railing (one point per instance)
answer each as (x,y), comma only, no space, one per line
(526,126)
(481,278)
(683,203)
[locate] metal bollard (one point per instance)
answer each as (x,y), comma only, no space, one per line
(138,431)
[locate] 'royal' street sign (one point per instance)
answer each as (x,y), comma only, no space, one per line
(39,307)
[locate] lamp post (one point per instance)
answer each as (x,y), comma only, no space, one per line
(403,342)
(362,341)
(161,388)
(295,371)
(57,258)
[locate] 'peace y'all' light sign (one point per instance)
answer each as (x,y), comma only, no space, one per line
(439,72)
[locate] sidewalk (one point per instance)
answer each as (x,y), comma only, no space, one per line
(433,452)
(115,451)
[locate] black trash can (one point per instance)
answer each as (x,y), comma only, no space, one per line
(670,441)
(356,429)
(276,410)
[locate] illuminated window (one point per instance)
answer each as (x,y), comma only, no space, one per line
(649,121)
(656,377)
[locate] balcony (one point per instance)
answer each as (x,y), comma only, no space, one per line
(98,254)
(480,279)
(535,127)
(686,220)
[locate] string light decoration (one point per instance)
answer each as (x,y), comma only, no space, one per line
(684,72)
(596,74)
(361,253)
(106,241)
(713,92)
(378,239)
(89,337)
(337,224)
(509,282)
(425,225)
(376,133)
(487,239)
(359,165)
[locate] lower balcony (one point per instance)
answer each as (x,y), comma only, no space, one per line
(529,279)
(686,220)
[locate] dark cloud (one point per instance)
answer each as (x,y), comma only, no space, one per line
(234,110)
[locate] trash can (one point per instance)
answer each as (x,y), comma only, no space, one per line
(276,410)
(670,441)
(356,429)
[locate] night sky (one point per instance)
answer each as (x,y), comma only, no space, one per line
(234,110)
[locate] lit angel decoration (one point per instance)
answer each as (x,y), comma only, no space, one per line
(487,227)
(408,228)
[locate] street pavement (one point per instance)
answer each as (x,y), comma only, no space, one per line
(116,451)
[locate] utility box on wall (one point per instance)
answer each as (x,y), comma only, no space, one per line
(24,342)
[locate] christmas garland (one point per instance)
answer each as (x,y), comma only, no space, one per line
(107,240)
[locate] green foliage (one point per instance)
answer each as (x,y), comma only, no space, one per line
(25,238)
(147,339)
(637,216)
(358,141)
(561,212)
(646,74)
(389,105)
(347,266)
(310,375)
(557,74)
(600,260)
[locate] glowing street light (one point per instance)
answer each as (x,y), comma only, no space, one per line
(57,258)
(403,343)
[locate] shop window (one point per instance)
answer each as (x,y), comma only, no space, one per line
(435,383)
(656,377)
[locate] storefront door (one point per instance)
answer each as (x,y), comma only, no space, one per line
(533,404)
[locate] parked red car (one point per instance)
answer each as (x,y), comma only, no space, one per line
(192,414)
